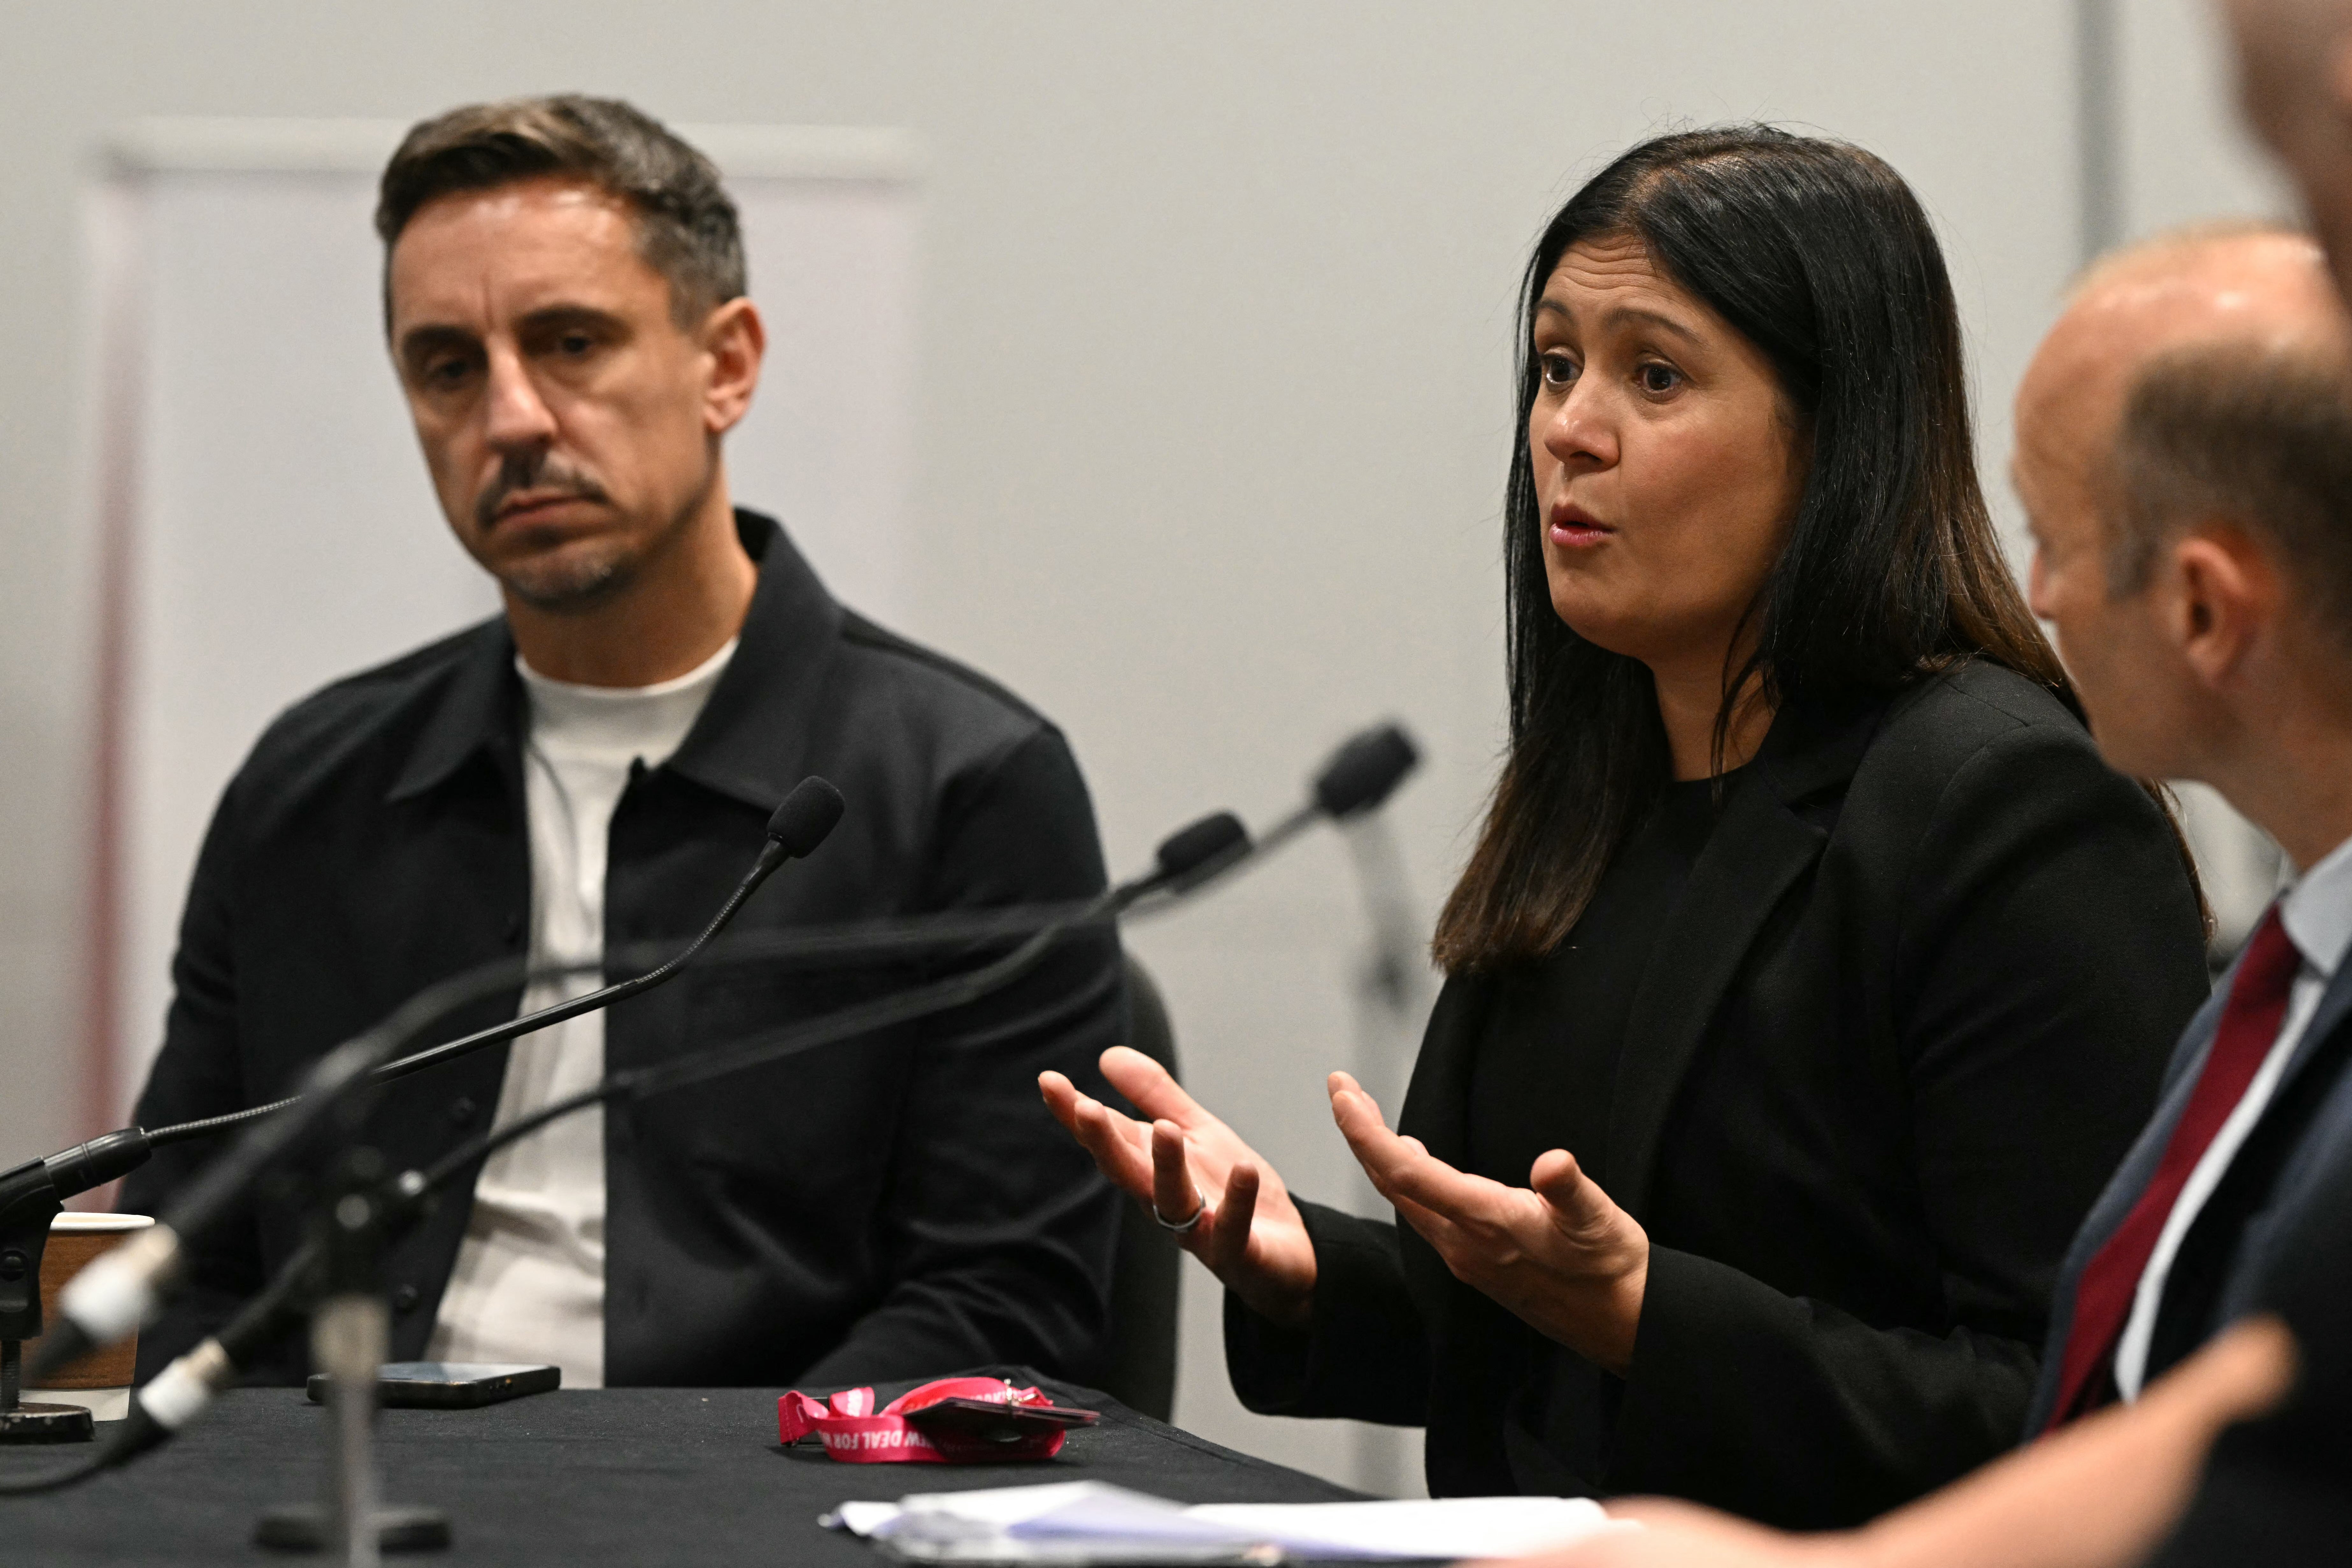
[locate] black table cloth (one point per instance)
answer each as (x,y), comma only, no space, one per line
(629,1475)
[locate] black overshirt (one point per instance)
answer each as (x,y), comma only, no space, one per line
(887,1207)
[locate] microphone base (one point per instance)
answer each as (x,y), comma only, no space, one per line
(305,1527)
(46,1424)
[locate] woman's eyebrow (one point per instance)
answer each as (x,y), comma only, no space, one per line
(1620,315)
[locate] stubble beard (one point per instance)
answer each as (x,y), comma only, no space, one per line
(574,581)
(590,572)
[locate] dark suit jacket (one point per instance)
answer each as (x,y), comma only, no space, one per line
(1910,1009)
(2278,1491)
(890,1207)
(2221,1257)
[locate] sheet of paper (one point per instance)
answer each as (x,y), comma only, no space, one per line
(1090,1521)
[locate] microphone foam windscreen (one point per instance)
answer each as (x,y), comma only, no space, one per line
(1189,848)
(807,815)
(1365,769)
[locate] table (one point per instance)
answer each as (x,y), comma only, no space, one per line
(629,1475)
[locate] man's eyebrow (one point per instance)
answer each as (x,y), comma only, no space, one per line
(568,314)
(433,335)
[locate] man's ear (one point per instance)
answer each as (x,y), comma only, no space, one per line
(2226,598)
(2337,75)
(736,340)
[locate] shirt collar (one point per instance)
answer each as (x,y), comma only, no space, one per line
(750,740)
(2317,910)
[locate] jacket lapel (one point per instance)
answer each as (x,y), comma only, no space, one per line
(1758,852)
(2311,1177)
(2319,1145)
(2122,1191)
(2139,1168)
(2335,1007)
(751,741)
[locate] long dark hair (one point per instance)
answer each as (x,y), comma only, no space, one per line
(1817,253)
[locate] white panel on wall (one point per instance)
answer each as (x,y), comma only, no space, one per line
(269,525)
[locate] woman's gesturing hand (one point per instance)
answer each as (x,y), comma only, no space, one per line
(1251,1237)
(1562,1257)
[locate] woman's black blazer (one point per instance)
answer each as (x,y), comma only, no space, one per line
(1909,1012)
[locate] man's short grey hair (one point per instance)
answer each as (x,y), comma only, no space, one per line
(687,227)
(2251,434)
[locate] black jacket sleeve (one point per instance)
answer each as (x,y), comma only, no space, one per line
(998,1230)
(2045,957)
(1363,1353)
(199,1073)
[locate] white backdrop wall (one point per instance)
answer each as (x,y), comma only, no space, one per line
(1210,379)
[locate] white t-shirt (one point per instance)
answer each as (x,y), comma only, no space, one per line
(529,1284)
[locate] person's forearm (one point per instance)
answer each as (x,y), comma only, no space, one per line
(1837,1420)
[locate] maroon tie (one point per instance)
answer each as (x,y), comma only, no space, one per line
(2102,1299)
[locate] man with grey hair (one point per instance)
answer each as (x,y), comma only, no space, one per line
(590,773)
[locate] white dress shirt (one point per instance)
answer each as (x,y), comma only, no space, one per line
(2316,913)
(528,1285)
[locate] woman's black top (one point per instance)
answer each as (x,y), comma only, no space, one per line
(1858,1052)
(1543,1079)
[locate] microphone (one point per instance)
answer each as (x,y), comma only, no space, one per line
(1365,770)
(31,1196)
(1192,855)
(183,1389)
(794,830)
(118,1290)
(1356,778)
(806,819)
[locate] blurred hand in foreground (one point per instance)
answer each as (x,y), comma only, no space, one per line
(2100,1493)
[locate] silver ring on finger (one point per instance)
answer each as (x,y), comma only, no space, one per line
(1169,1225)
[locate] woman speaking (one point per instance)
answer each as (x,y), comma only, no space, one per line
(1811,973)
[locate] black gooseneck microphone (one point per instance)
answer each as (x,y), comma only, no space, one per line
(1184,861)
(794,830)
(116,1293)
(1361,773)
(1358,776)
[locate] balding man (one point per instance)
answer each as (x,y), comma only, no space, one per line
(2194,610)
